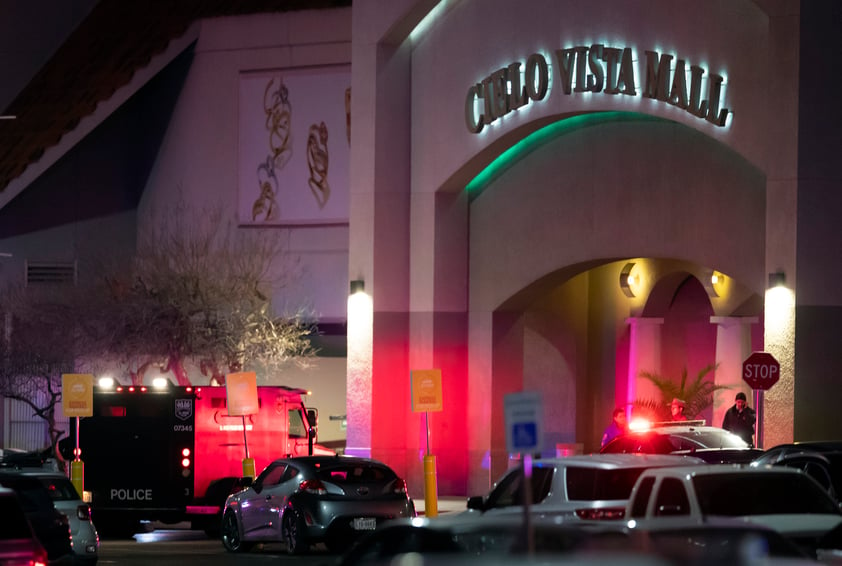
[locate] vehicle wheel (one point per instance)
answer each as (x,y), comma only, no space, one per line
(292,529)
(231,538)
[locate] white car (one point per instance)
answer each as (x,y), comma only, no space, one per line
(784,499)
(590,486)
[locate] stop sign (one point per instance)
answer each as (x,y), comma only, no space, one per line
(761,370)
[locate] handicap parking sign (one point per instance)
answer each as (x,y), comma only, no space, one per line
(524,422)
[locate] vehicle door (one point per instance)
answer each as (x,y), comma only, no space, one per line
(671,499)
(261,499)
(507,496)
(298,438)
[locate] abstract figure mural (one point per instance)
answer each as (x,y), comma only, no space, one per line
(317,161)
(293,166)
(278,122)
(278,112)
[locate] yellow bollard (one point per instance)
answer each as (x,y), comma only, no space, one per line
(430,492)
(77,476)
(248,468)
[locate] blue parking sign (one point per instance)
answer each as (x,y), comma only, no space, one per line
(524,422)
(524,435)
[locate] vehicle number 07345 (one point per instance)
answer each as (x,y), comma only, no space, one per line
(364,524)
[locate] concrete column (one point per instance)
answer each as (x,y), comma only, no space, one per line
(733,345)
(644,355)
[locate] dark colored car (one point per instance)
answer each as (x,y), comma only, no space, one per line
(18,543)
(454,535)
(685,440)
(820,459)
(50,525)
(84,538)
(720,540)
(314,499)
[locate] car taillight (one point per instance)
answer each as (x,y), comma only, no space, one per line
(400,486)
(607,513)
(39,557)
(313,486)
(83,512)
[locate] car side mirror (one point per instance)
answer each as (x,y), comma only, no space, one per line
(245,482)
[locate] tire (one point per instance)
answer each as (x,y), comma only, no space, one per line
(231,537)
(292,531)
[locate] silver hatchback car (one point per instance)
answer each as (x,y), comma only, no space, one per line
(314,499)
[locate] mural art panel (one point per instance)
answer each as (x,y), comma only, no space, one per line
(294,146)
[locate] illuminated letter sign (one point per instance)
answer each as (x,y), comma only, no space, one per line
(496,98)
(597,68)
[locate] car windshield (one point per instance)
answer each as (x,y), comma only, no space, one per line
(590,484)
(713,439)
(355,473)
(740,494)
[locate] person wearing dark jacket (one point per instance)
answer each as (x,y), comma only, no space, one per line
(618,426)
(740,419)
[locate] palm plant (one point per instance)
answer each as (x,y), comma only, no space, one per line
(697,394)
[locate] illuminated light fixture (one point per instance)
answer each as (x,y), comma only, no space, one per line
(106,382)
(777,279)
(709,282)
(8,117)
(627,280)
(160,383)
(357,286)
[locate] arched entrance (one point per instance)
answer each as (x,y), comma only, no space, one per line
(550,236)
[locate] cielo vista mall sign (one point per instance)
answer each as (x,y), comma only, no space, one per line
(596,69)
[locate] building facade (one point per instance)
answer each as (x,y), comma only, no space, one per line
(551,196)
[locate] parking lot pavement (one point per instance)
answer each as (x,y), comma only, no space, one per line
(448,504)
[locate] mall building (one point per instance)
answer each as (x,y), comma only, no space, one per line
(551,196)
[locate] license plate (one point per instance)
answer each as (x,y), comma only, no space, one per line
(364,524)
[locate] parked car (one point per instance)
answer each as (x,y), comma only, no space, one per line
(452,536)
(820,459)
(306,500)
(50,525)
(687,440)
(590,486)
(18,543)
(784,499)
(84,538)
(83,534)
(730,541)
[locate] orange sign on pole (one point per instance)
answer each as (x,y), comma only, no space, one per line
(426,390)
(241,389)
(77,394)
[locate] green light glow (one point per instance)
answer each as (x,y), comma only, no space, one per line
(543,136)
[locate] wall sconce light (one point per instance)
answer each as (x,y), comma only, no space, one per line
(627,280)
(777,279)
(710,280)
(357,286)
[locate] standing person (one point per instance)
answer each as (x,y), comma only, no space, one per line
(740,418)
(677,410)
(617,427)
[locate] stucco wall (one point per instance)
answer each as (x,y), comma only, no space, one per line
(614,190)
(198,157)
(726,36)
